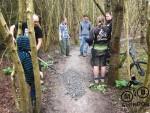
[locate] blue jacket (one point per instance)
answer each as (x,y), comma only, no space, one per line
(85,27)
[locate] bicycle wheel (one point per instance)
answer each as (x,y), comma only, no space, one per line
(138,69)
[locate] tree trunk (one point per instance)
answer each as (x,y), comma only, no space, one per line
(8,40)
(35,64)
(147,77)
(21,4)
(75,23)
(142,21)
(117,10)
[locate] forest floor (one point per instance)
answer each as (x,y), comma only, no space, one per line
(66,90)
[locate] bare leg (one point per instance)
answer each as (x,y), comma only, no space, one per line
(96,73)
(103,72)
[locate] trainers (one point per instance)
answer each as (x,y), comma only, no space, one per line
(96,81)
(102,80)
(64,56)
(85,54)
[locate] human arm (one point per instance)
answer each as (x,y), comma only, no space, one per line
(39,43)
(91,37)
(80,30)
(39,37)
(60,33)
(12,29)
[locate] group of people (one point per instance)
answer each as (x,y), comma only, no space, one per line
(98,37)
(84,30)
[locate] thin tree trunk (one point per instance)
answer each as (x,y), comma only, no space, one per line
(20,3)
(34,54)
(117,10)
(126,21)
(142,21)
(74,27)
(8,40)
(147,78)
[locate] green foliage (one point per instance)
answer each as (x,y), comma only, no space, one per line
(98,87)
(143,57)
(121,83)
(43,88)
(47,63)
(7,71)
(44,65)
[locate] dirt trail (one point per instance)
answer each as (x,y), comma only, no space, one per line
(65,96)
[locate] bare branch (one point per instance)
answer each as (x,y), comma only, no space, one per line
(99,7)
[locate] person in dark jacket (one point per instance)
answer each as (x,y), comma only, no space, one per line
(100,40)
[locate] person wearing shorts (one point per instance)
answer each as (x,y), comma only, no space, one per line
(99,38)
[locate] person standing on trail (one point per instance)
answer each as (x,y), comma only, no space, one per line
(84,29)
(100,39)
(64,37)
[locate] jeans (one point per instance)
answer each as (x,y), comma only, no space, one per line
(83,45)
